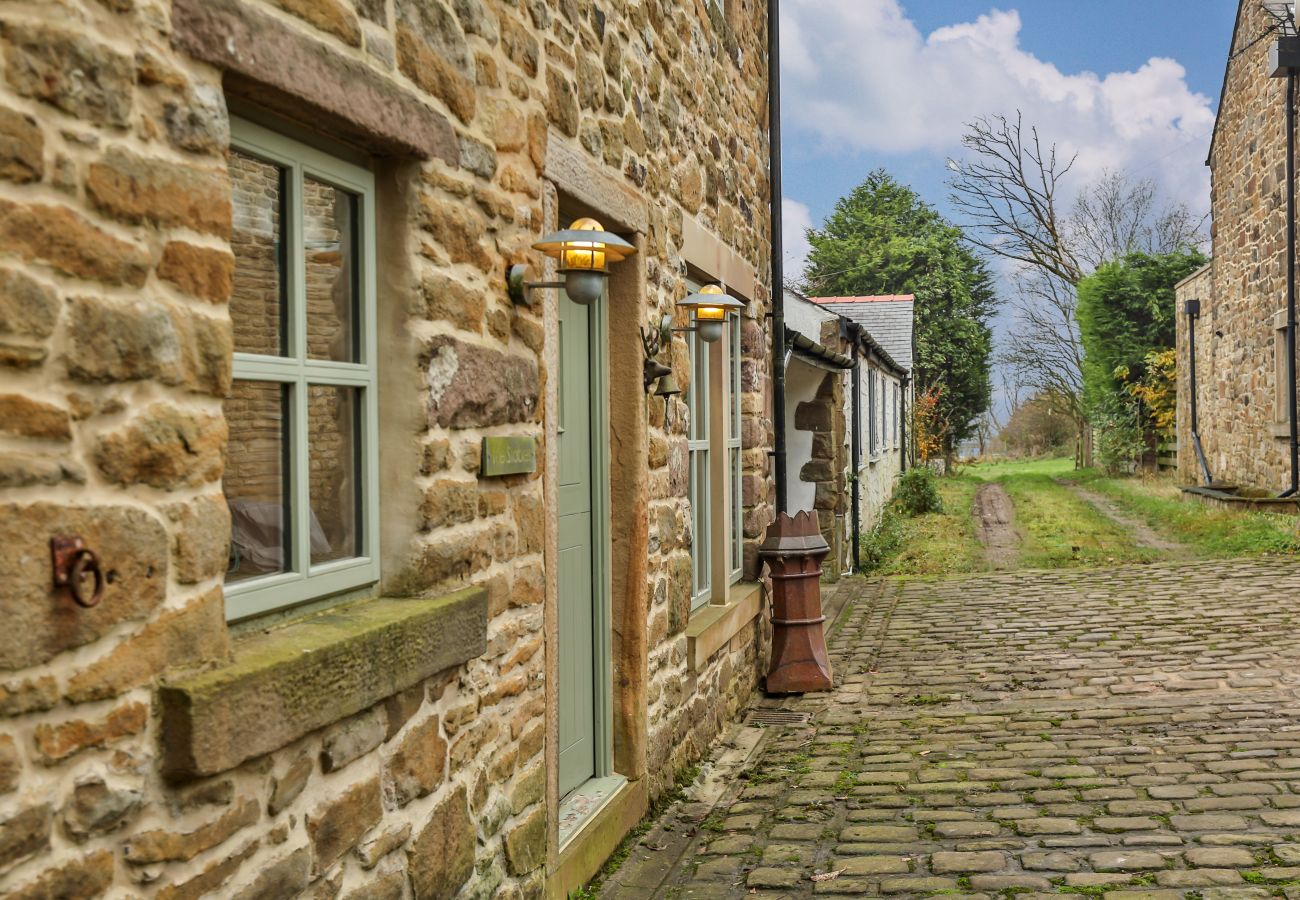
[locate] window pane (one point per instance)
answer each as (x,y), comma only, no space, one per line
(737,512)
(333,450)
(256,484)
(259,300)
(698,396)
(733,366)
(329,218)
(701,529)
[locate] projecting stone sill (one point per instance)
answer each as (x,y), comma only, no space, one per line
(712,627)
(287,682)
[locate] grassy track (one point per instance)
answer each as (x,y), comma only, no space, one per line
(1058,529)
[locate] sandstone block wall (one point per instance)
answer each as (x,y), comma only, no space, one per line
(120,307)
(1244,291)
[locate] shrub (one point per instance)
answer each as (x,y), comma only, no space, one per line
(879,545)
(918,493)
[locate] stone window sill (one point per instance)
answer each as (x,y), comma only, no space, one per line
(1282,430)
(712,627)
(287,682)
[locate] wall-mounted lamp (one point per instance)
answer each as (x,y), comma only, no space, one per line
(585,250)
(711,306)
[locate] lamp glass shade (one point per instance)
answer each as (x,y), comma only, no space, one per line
(711,304)
(585,246)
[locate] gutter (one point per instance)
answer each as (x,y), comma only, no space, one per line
(778,253)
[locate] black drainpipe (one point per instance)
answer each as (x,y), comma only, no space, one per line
(1194,313)
(902,418)
(778,252)
(855,453)
(1290,285)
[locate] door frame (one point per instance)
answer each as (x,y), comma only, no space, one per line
(602,592)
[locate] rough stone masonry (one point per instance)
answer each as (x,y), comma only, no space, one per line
(142,751)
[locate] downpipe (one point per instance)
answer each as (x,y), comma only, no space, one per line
(1292,413)
(1194,313)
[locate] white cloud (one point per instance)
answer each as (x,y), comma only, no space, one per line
(796,220)
(861,77)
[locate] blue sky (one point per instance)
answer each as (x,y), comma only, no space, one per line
(1127,84)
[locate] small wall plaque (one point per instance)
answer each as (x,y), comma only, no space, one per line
(508,456)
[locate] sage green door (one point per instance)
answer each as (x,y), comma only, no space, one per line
(577,576)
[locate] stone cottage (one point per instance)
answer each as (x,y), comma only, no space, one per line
(838,373)
(331,570)
(1238,318)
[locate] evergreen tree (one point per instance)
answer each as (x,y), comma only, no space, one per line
(884,239)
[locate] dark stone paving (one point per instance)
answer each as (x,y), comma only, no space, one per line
(1129,733)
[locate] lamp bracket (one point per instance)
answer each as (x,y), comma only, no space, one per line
(519,287)
(666,329)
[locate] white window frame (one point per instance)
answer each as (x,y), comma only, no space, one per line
(873,443)
(735,450)
(698,402)
(303,582)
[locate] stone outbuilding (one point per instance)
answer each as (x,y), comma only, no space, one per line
(405,589)
(847,402)
(1237,319)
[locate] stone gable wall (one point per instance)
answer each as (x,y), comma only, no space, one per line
(1237,371)
(116,340)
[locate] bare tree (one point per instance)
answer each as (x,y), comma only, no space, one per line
(1009,189)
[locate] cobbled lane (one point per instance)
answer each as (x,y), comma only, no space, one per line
(1130,733)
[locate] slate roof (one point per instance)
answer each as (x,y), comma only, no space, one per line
(888,319)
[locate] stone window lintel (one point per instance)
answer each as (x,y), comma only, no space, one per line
(284,683)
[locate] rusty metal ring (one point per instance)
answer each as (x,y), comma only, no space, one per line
(84,561)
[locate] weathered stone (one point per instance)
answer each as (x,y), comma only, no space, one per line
(287,877)
(528,789)
(328,15)
(297,77)
(372,851)
(353,738)
(30,695)
(450,301)
(22,147)
(442,857)
(526,843)
(200,537)
(561,102)
(42,621)
(432,52)
(201,272)
(336,827)
(385,886)
(478,157)
(135,189)
(122,342)
(285,789)
(193,634)
(28,308)
(11,764)
(200,122)
(313,674)
(210,879)
(449,502)
(474,387)
(95,808)
(25,417)
(60,238)
(948,862)
(812,417)
(21,470)
(165,448)
(162,846)
(24,834)
(460,231)
(401,707)
(418,767)
(82,878)
(71,71)
(1126,860)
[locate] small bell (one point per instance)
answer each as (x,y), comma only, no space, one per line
(667,386)
(655,370)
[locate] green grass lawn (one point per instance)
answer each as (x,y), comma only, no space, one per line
(1058,529)
(1206,531)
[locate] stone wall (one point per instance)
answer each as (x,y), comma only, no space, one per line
(1244,292)
(120,307)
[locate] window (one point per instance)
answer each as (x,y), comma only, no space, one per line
(302,475)
(897,429)
(872,436)
(1282,395)
(715,450)
(701,482)
(734,463)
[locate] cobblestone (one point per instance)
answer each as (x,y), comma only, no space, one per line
(1131,733)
